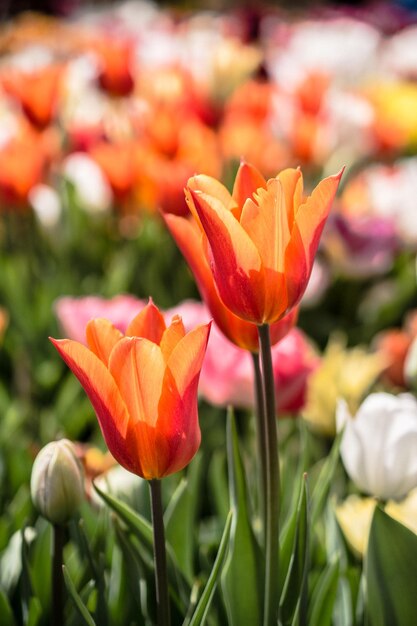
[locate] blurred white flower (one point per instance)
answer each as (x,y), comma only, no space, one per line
(46,204)
(399,54)
(92,189)
(379,444)
(344,48)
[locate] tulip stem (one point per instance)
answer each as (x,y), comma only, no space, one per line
(161,578)
(271,598)
(58,542)
(261,441)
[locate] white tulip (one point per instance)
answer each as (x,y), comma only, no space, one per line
(379,444)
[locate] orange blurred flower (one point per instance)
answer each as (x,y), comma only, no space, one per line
(243,334)
(22,166)
(393,345)
(262,239)
(175,148)
(115,56)
(245,131)
(37,91)
(143,387)
(118,161)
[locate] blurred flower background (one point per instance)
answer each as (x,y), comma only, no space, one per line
(106,110)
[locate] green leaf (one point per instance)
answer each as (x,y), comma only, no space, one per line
(79,604)
(324,596)
(142,529)
(240,577)
(293,601)
(324,481)
(135,522)
(180,518)
(203,605)
(217,477)
(390,570)
(34,612)
(6,613)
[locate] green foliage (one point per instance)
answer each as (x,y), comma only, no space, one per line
(241,581)
(390,573)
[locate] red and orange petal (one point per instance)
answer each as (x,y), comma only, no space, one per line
(248,180)
(102,336)
(105,397)
(235,261)
(149,323)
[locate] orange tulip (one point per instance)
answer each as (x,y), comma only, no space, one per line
(262,239)
(143,387)
(38,92)
(244,334)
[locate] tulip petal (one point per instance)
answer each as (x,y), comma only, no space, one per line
(292,184)
(101,337)
(236,263)
(248,181)
(178,415)
(188,238)
(311,215)
(138,367)
(172,335)
(265,221)
(187,357)
(307,228)
(104,395)
(212,187)
(149,323)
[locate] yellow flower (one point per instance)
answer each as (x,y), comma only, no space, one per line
(343,373)
(354,516)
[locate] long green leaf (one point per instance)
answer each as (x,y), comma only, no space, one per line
(240,579)
(324,596)
(322,487)
(203,605)
(293,601)
(79,604)
(390,570)
(137,524)
(6,613)
(142,529)
(180,518)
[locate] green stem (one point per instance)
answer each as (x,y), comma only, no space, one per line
(58,542)
(161,578)
(271,598)
(261,441)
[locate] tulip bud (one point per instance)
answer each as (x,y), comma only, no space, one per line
(57,482)
(379,444)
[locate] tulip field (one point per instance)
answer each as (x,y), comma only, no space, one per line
(208,315)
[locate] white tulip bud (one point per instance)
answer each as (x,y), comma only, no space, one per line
(379,445)
(57,481)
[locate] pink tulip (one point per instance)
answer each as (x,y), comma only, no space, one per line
(74,313)
(227,372)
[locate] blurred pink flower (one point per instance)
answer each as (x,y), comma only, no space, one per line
(227,372)
(74,313)
(361,246)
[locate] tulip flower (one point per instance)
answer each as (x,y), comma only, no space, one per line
(143,387)
(37,91)
(262,239)
(57,481)
(244,334)
(378,448)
